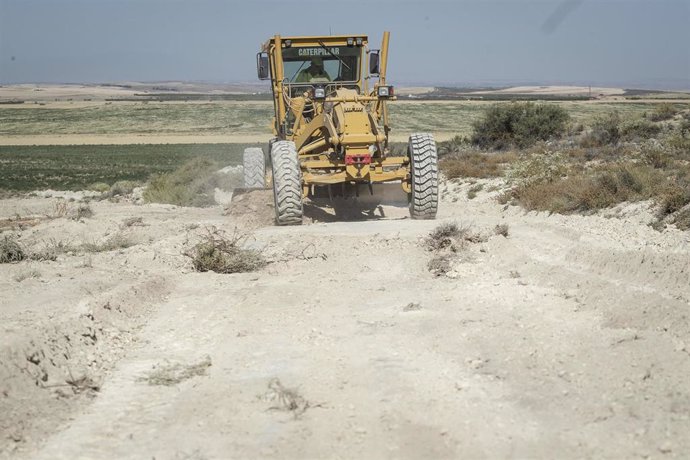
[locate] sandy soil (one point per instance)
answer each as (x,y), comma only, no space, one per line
(567,339)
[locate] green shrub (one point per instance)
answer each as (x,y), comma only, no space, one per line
(639,129)
(101,187)
(123,188)
(519,124)
(605,130)
(192,184)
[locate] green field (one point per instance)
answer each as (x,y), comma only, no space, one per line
(239,118)
(75,167)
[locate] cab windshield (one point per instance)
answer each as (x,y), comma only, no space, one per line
(310,65)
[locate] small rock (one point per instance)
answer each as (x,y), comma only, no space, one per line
(665,448)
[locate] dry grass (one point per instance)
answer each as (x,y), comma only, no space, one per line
(52,249)
(172,374)
(472,191)
(28,274)
(10,250)
(115,241)
(476,164)
(220,253)
(591,189)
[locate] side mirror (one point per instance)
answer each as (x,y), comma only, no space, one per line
(374,62)
(262,66)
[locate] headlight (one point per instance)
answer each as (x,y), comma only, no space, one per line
(319,92)
(385,91)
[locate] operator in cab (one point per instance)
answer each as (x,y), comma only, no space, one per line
(315,73)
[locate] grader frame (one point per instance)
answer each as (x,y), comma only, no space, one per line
(335,130)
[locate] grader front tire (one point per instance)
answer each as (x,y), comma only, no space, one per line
(254,168)
(287,183)
(424,176)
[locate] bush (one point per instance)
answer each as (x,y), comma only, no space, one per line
(192,184)
(519,124)
(663,112)
(639,129)
(101,187)
(222,254)
(123,188)
(605,130)
(11,250)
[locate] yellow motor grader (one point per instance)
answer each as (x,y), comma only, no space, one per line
(331,126)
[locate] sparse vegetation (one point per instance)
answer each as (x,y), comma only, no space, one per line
(519,124)
(220,253)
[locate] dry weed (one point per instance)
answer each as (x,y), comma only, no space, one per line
(220,253)
(172,374)
(501,229)
(10,250)
(286,399)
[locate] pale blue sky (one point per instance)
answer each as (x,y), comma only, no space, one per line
(633,43)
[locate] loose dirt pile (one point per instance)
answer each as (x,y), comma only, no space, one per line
(545,336)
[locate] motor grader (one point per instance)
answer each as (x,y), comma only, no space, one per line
(331,126)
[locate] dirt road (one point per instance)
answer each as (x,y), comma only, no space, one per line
(569,338)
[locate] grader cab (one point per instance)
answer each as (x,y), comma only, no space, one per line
(331,126)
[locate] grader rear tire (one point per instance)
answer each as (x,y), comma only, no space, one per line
(287,183)
(254,168)
(424,176)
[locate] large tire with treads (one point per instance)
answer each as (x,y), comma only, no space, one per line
(287,183)
(254,168)
(424,176)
